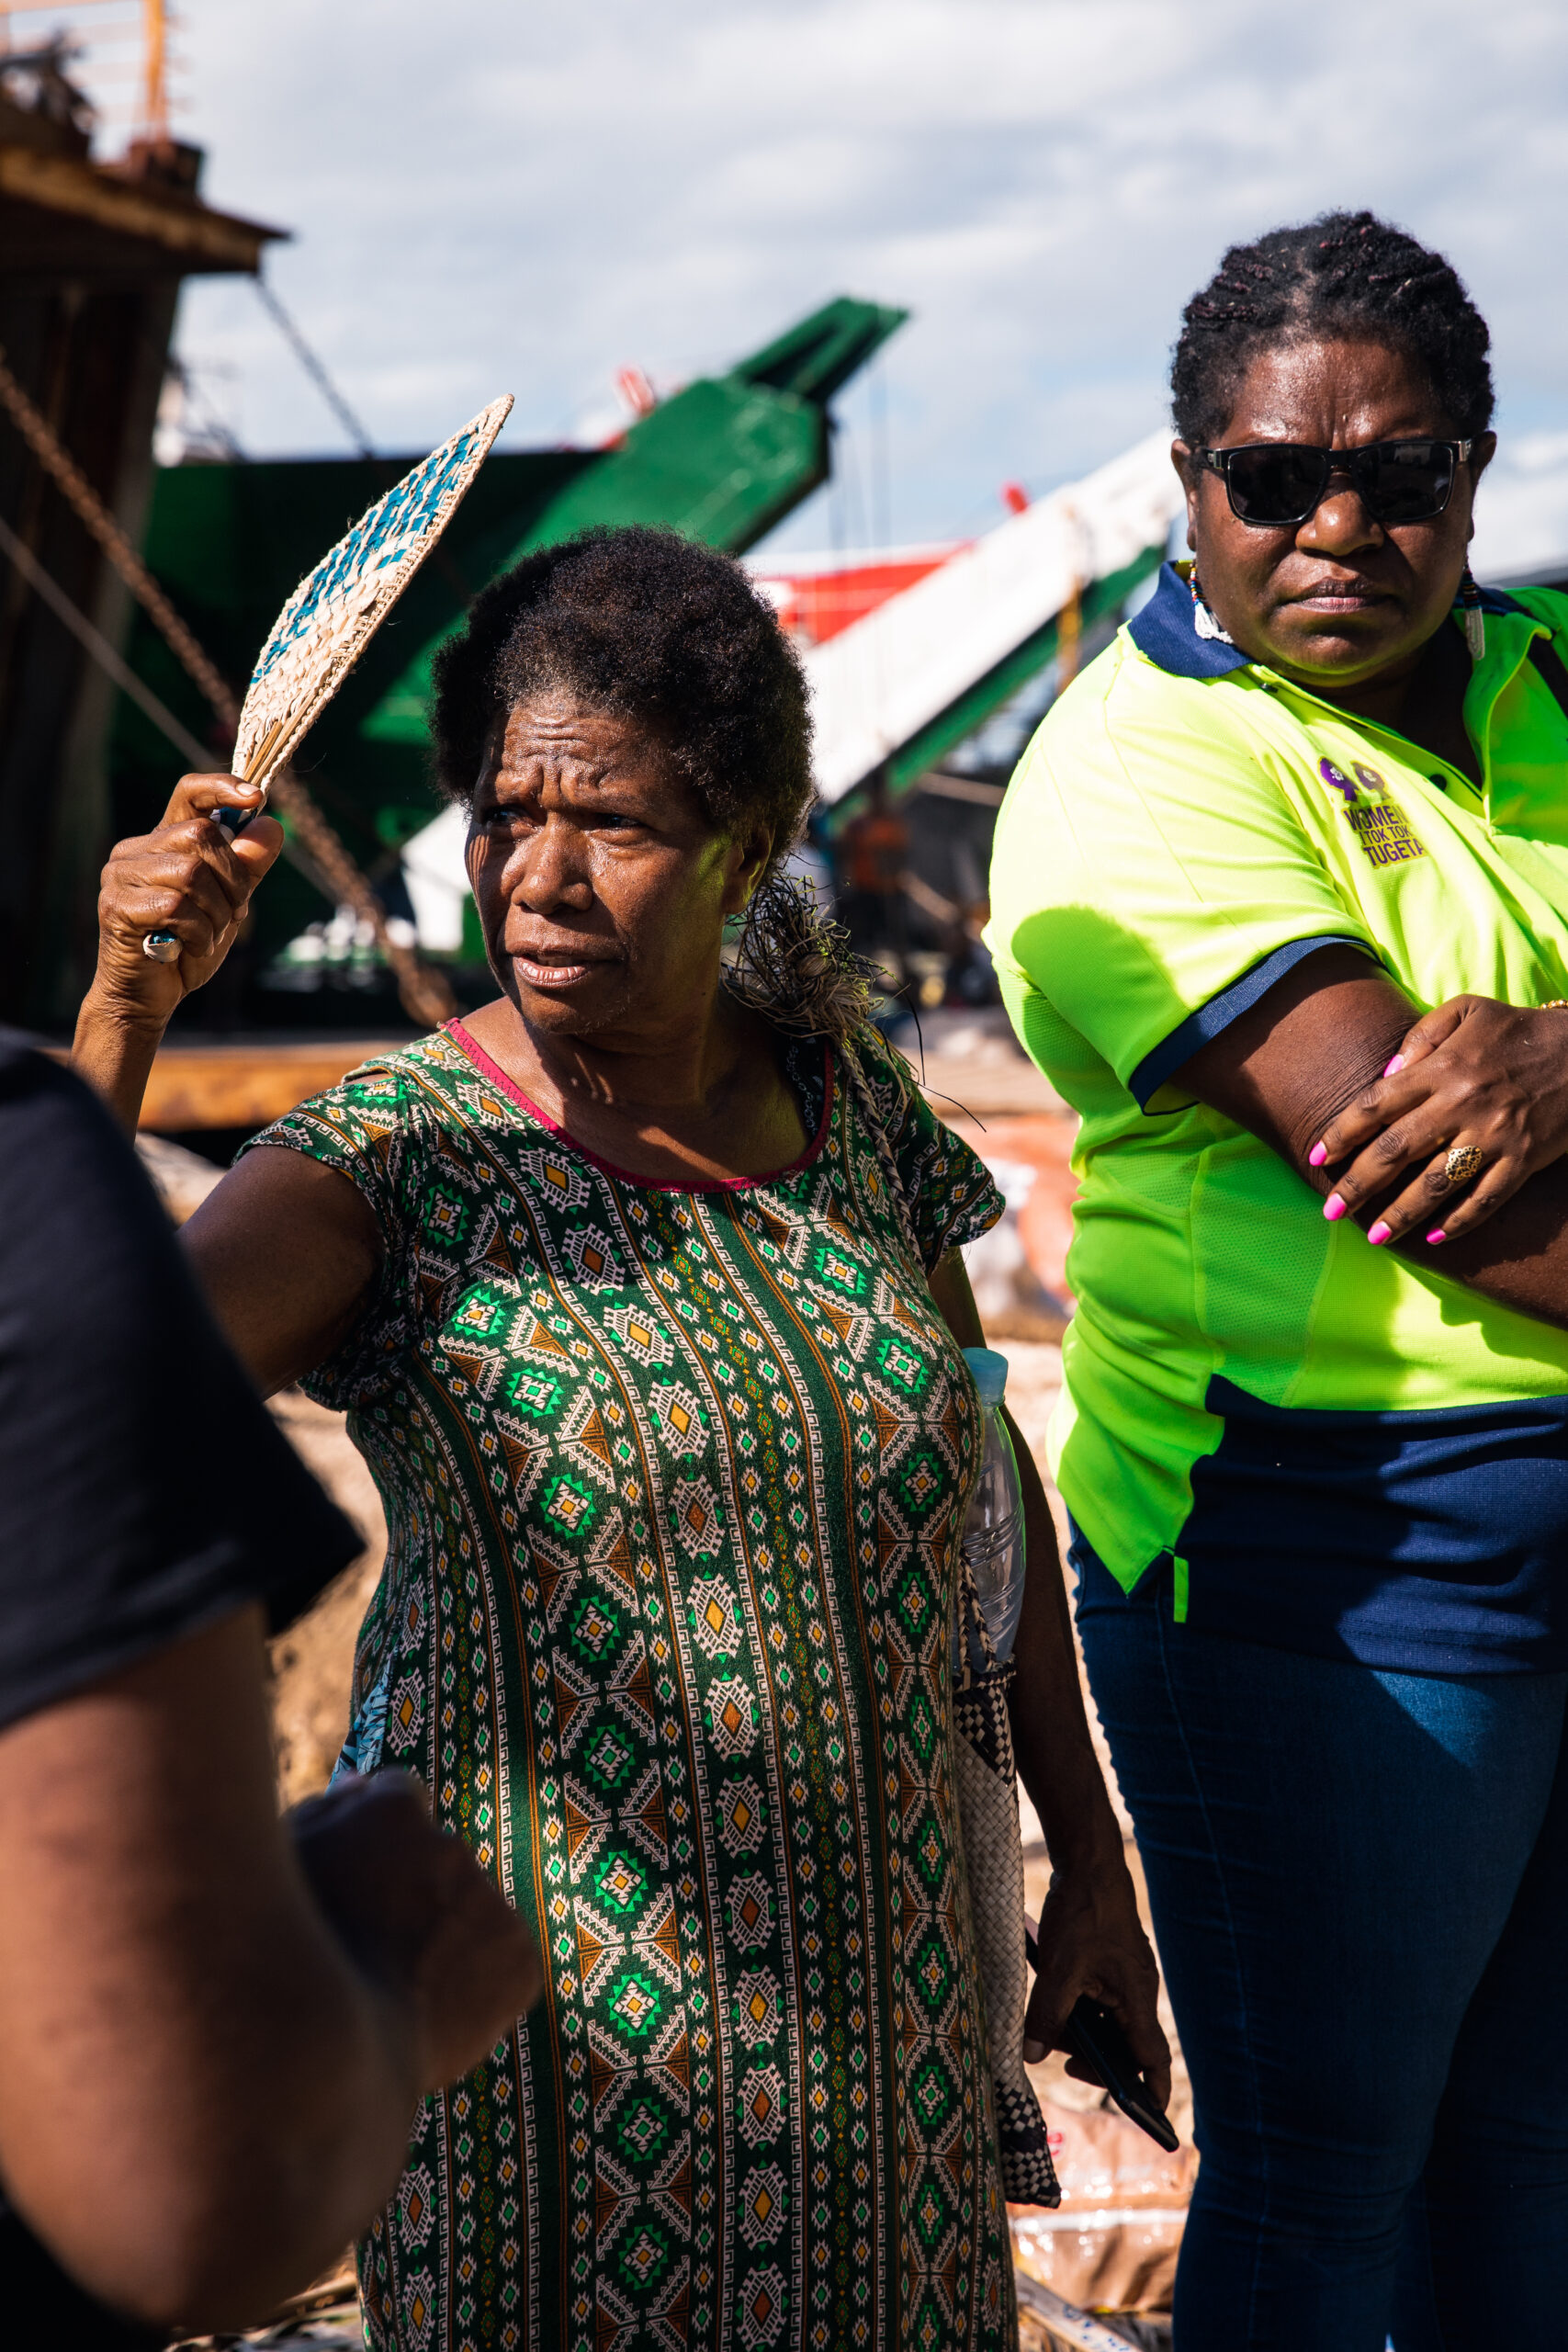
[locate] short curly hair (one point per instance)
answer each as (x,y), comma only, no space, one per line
(649,625)
(1344,273)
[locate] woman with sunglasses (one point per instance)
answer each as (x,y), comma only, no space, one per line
(1316,1412)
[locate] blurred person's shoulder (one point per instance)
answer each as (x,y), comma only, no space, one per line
(74,1201)
(145,1491)
(40,1084)
(64,1165)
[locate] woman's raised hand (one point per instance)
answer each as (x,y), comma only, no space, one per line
(188,878)
(1474,1074)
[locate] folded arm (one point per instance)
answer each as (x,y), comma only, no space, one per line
(1473,1072)
(1311,1053)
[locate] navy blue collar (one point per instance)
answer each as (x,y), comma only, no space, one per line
(1165,631)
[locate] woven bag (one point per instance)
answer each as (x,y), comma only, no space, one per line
(987,1776)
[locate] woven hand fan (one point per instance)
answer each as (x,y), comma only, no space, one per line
(336,610)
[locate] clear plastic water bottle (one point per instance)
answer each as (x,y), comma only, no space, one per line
(993,1532)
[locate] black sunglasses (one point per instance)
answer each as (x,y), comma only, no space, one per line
(1272,483)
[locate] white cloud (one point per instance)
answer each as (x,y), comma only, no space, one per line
(1521,510)
(491,196)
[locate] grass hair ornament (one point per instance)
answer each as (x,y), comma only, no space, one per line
(796,965)
(336,610)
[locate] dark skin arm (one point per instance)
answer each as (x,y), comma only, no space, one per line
(1316,1046)
(214,2025)
(287,1252)
(186,878)
(1091,1939)
(1473,1071)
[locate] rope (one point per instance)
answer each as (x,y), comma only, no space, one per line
(425,994)
(315,370)
(102,653)
(52,594)
(94,516)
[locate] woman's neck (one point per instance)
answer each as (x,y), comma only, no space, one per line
(1421,696)
(680,1065)
(700,1097)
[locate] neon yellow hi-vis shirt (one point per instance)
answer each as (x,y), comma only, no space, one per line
(1184,823)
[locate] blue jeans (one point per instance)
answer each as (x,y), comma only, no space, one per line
(1359,1888)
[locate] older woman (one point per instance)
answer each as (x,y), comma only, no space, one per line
(1315,1447)
(617,1280)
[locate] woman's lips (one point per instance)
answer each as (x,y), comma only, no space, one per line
(554,973)
(1333,598)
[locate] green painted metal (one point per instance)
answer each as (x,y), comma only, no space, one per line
(724,460)
(816,358)
(721,461)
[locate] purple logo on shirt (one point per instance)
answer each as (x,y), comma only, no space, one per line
(1372,814)
(1362,778)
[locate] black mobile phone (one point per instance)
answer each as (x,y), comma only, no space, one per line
(1098,2042)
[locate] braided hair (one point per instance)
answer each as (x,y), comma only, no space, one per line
(1344,275)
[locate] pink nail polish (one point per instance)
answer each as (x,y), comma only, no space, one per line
(1397,1063)
(1317,1155)
(1379,1233)
(1332,1207)
(1435,1237)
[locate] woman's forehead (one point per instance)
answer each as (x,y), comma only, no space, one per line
(558,726)
(1344,389)
(561,745)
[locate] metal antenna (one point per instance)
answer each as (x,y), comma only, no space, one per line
(317,372)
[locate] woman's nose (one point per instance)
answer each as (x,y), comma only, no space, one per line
(549,868)
(1341,524)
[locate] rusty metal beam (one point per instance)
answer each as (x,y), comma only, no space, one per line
(191,233)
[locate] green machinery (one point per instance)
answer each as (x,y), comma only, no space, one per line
(723,460)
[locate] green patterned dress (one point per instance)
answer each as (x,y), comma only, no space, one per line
(673,1478)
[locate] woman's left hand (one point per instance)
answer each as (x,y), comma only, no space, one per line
(1473,1072)
(1092,1941)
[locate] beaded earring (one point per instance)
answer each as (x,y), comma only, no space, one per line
(1203,619)
(1474,618)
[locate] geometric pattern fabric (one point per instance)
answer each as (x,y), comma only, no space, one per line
(674,1478)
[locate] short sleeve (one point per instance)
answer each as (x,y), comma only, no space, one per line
(1146,862)
(145,1491)
(362,1128)
(947,1188)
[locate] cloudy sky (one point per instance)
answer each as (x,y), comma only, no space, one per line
(490,194)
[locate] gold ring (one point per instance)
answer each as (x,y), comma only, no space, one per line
(1465,1160)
